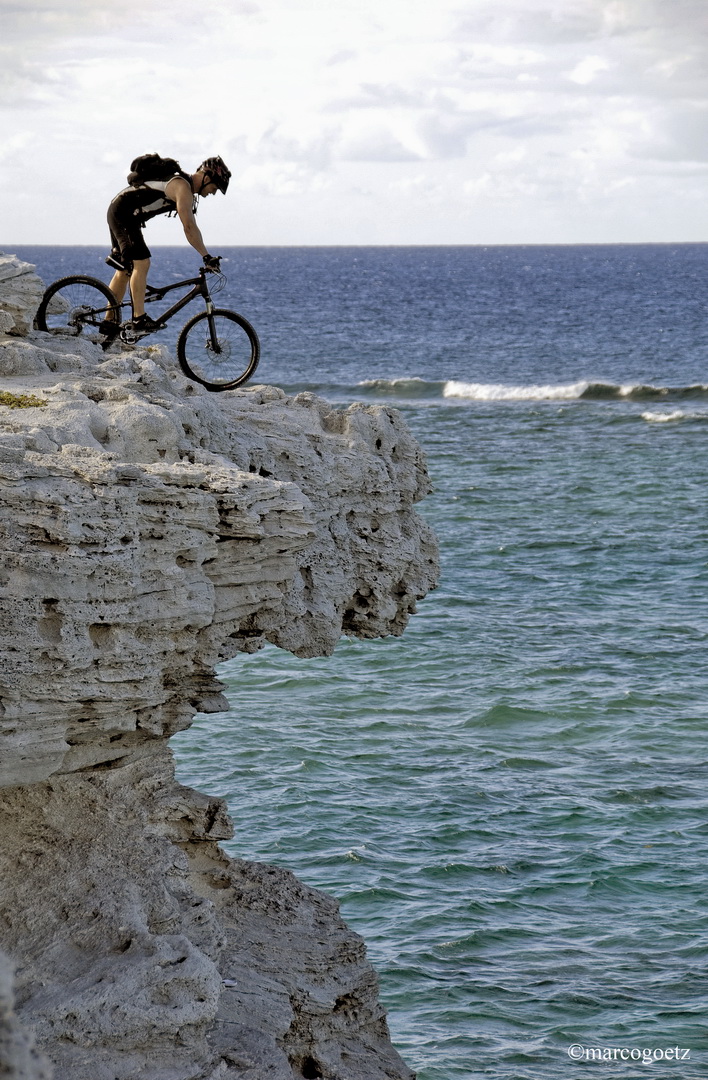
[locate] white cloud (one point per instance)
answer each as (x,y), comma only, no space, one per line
(675,135)
(353,112)
(587,70)
(376,142)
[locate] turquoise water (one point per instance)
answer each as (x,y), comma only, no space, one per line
(509,800)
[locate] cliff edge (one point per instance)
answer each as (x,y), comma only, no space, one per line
(151,530)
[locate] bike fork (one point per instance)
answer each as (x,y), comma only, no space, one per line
(213,339)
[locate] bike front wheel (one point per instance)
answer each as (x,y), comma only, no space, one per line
(78,307)
(218,349)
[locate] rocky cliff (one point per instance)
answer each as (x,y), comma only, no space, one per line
(150,530)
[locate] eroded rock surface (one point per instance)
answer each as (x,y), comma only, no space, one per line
(19,1056)
(149,531)
(20,292)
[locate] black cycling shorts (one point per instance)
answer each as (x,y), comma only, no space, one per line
(127,241)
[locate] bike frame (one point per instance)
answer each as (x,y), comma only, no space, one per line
(199,288)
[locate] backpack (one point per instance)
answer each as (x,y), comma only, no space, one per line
(153,167)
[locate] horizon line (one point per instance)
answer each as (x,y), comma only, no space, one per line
(539,243)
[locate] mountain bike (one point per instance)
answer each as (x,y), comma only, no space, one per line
(217,348)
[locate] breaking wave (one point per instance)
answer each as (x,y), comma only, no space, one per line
(584,390)
(404,388)
(504,392)
(673,416)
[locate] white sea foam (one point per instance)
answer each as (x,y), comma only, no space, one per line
(504,392)
(669,417)
(663,417)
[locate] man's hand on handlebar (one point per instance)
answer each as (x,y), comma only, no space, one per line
(212,262)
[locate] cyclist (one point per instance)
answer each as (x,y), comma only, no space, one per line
(139,202)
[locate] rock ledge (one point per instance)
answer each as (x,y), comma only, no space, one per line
(151,530)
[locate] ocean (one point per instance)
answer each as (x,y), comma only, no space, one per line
(510,800)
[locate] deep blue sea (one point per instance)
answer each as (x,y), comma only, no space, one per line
(509,800)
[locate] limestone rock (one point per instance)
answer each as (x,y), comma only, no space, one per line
(20,292)
(19,1057)
(149,531)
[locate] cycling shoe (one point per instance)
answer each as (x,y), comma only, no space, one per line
(138,328)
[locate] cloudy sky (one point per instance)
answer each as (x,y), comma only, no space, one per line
(362,121)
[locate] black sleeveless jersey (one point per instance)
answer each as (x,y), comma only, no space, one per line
(144,202)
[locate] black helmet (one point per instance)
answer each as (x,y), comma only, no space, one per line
(216,168)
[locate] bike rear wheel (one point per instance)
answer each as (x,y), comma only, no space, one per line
(220,349)
(77,307)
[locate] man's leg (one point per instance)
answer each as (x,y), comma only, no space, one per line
(121,278)
(129,247)
(119,283)
(138,282)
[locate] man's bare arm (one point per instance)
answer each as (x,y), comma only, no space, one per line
(179,190)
